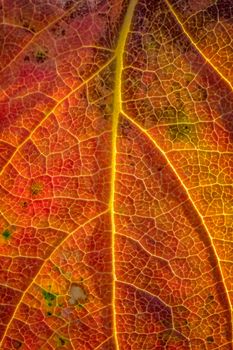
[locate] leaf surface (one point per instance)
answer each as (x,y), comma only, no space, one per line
(116,198)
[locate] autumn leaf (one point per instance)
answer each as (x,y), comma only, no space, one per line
(116,201)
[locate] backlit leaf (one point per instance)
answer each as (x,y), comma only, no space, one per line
(116,130)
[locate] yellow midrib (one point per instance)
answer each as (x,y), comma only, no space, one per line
(117,107)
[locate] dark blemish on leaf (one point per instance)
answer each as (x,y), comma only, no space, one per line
(80,12)
(184,129)
(200,94)
(56,268)
(176,86)
(61,341)
(166,323)
(49,313)
(17,344)
(6,234)
(26,25)
(210,340)
(181,115)
(209,299)
(41,56)
(24,204)
(188,78)
(164,336)
(68,4)
(131,161)
(161,167)
(225,9)
(169,113)
(179,132)
(36,188)
(125,128)
(211,13)
(73,15)
(26,58)
(58,31)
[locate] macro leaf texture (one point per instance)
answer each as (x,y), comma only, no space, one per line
(116,129)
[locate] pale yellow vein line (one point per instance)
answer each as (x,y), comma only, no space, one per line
(133,285)
(53,110)
(41,267)
(195,44)
(37,34)
(116,111)
(154,142)
(104,342)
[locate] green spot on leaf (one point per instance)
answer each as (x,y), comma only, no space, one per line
(169,114)
(182,116)
(36,188)
(6,234)
(179,132)
(49,297)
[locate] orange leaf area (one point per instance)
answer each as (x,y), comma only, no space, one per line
(116,198)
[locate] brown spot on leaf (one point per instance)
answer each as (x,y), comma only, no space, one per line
(125,128)
(68,4)
(77,294)
(62,341)
(17,344)
(26,58)
(58,31)
(200,94)
(41,56)
(24,204)
(209,299)
(210,339)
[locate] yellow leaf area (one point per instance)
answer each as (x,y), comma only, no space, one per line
(116,198)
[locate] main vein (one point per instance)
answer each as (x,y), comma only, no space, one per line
(117,106)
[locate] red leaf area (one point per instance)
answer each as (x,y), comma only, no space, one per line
(116,178)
